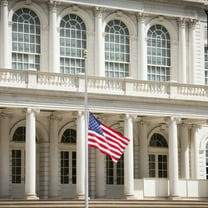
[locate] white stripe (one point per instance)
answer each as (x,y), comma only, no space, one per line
(106,144)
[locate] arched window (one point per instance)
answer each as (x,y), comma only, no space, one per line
(19,134)
(206,64)
(18,156)
(25,40)
(69,136)
(158,53)
(116,49)
(157,140)
(68,157)
(206,152)
(72,44)
(158,158)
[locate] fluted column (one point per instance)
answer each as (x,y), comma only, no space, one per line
(195,151)
(81,155)
(4,155)
(53,66)
(5,63)
(173,158)
(129,159)
(143,169)
(185,173)
(30,150)
(53,159)
(182,51)
(99,46)
(142,50)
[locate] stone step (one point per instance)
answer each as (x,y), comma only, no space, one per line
(103,204)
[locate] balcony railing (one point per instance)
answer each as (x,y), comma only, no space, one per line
(102,85)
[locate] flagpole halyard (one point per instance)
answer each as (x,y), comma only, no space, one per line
(86,131)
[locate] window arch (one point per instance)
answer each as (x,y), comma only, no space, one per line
(72,44)
(19,134)
(69,136)
(158,53)
(116,49)
(157,140)
(25,40)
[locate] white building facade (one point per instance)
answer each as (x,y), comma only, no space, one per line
(147,67)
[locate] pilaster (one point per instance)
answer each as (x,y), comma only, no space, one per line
(142,50)
(4,155)
(99,40)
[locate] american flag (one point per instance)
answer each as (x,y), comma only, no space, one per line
(105,139)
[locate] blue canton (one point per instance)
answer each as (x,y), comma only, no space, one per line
(94,124)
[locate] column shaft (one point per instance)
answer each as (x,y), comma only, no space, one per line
(81,155)
(129,159)
(173,158)
(5,63)
(182,52)
(53,40)
(30,161)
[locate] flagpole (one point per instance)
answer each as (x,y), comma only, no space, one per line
(86,131)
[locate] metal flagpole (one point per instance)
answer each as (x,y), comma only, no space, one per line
(86,131)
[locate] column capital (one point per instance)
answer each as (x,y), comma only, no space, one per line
(193,23)
(33,110)
(182,22)
(3,115)
(99,12)
(174,119)
(4,3)
(141,16)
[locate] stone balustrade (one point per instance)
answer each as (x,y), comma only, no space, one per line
(102,85)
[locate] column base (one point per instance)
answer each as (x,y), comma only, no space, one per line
(174,197)
(81,197)
(130,196)
(31,197)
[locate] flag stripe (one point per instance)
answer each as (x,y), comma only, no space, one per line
(105,139)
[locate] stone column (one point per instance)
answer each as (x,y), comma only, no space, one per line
(173,158)
(195,152)
(129,159)
(81,155)
(5,62)
(4,155)
(142,50)
(185,173)
(182,51)
(143,169)
(30,151)
(99,46)
(53,67)
(192,50)
(54,159)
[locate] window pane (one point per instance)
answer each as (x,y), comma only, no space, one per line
(72,44)
(116,49)
(158,53)
(25,39)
